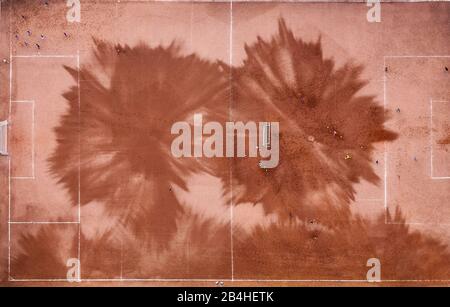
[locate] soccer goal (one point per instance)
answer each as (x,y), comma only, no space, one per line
(4,138)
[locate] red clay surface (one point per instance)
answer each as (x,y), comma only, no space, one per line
(90,175)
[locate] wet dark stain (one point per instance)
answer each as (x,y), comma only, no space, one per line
(279,251)
(445,140)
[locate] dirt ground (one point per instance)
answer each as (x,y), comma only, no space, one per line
(364,171)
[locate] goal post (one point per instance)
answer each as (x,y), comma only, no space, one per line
(4,138)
